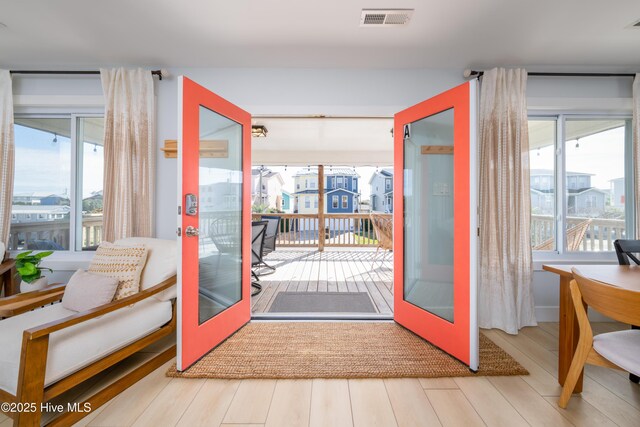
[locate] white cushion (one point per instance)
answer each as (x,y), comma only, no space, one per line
(75,347)
(162,262)
(621,348)
(85,291)
(2,248)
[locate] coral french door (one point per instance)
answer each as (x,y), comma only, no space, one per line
(214,174)
(435,221)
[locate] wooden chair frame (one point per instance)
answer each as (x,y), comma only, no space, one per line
(619,304)
(7,274)
(33,362)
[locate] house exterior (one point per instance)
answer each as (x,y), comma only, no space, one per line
(221,196)
(617,193)
(286,201)
(582,199)
(266,190)
(381,184)
(341,188)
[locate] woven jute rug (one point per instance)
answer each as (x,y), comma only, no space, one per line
(338,350)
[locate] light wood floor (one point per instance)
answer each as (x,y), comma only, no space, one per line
(608,399)
(334,270)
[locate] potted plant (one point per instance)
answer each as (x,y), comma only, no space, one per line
(27,265)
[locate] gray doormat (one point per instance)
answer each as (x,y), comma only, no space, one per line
(322,302)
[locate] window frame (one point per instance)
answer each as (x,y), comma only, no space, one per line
(75,172)
(560,185)
(345,202)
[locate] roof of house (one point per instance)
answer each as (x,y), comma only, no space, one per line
(541,172)
(329,171)
(385,172)
(341,189)
(38,209)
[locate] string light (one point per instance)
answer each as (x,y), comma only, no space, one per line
(95,148)
(55,138)
(578,143)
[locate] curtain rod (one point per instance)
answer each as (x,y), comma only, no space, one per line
(154,72)
(474,73)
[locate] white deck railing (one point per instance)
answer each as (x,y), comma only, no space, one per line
(599,236)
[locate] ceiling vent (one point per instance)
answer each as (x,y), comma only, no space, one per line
(385,17)
(635,25)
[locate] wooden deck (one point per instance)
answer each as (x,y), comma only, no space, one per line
(334,270)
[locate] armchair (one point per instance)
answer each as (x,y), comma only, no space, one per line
(50,350)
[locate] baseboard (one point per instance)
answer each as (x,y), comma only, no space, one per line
(552,314)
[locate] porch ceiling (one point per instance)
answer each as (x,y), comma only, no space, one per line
(335,141)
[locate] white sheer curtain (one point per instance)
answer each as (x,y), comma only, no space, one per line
(636,146)
(7,153)
(129,153)
(505,296)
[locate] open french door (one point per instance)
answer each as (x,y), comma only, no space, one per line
(214,217)
(435,221)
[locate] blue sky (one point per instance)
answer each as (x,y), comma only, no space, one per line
(44,166)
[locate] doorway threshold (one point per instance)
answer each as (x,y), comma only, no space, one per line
(323,316)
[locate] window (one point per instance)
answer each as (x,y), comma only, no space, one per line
(307,202)
(345,202)
(334,202)
(580,182)
(387,184)
(315,202)
(57,203)
(306,183)
(339,181)
(313,184)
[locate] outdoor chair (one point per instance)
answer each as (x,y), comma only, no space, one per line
(574,238)
(258,231)
(271,235)
(617,350)
(383,228)
(625,250)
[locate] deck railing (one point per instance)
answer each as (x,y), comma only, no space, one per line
(56,231)
(599,236)
(340,230)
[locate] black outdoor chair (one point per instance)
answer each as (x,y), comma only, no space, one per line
(625,250)
(271,235)
(258,229)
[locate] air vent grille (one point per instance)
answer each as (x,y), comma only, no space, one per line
(635,25)
(385,18)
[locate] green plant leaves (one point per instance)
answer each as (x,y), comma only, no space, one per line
(27,265)
(43,254)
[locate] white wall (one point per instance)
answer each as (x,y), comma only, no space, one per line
(351,92)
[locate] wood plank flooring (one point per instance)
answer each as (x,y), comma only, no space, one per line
(608,399)
(334,270)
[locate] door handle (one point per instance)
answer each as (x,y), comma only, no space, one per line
(191,231)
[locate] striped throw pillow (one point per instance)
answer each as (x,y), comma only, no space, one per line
(124,263)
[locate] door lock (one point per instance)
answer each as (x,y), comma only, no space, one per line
(191,231)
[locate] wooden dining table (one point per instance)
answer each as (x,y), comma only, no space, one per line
(623,276)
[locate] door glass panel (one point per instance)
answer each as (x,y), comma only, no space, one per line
(428,222)
(220,214)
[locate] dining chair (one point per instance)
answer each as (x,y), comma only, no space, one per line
(271,235)
(628,250)
(617,350)
(258,229)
